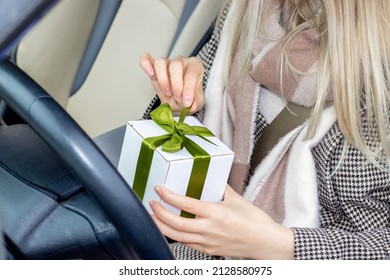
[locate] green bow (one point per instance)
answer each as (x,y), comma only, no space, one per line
(162,116)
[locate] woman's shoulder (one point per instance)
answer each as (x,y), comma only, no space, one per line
(341,161)
(330,144)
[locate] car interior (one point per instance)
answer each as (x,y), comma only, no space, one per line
(69,82)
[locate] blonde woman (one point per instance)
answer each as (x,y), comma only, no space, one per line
(323,191)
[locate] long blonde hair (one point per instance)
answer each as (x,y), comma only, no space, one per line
(353,63)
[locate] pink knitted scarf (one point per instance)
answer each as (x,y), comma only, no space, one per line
(299,89)
(233,108)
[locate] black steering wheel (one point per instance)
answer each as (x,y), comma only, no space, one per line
(100,178)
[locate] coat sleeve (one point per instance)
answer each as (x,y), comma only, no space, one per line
(354,198)
(331,243)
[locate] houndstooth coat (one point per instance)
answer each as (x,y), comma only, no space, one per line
(354,198)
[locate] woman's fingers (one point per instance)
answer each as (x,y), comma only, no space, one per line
(176,71)
(162,75)
(177,82)
(173,220)
(147,64)
(188,204)
(193,77)
(157,71)
(180,236)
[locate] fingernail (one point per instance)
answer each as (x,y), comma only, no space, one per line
(187,101)
(157,189)
(168,92)
(179,98)
(152,203)
(149,72)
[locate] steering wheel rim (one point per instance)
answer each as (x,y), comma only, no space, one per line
(140,235)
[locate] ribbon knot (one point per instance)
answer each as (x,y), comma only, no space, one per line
(176,138)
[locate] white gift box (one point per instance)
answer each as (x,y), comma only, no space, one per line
(173,170)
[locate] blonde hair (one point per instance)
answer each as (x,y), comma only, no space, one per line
(353,63)
(244,18)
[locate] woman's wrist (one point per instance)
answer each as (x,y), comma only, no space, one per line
(285,250)
(277,244)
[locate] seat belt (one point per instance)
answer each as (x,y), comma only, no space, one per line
(289,118)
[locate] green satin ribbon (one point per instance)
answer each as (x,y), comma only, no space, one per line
(162,116)
(174,141)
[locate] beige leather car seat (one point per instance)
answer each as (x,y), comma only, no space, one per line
(115,90)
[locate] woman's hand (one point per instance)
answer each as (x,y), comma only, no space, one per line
(177,82)
(233,227)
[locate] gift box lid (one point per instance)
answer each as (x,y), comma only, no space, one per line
(148,128)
